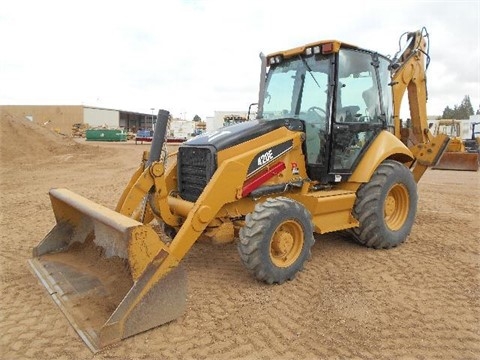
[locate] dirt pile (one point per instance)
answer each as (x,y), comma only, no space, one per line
(23,141)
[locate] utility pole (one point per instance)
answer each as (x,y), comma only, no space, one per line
(153,127)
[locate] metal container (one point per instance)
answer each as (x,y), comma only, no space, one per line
(106,135)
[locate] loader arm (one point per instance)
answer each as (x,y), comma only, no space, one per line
(136,175)
(229,177)
(147,185)
(96,260)
(409,74)
(136,199)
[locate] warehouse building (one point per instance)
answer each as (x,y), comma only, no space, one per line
(62,118)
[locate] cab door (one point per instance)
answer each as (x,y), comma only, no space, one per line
(356,117)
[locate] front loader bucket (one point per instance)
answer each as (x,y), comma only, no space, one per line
(458,161)
(111,275)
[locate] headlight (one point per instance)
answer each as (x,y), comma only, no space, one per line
(275,59)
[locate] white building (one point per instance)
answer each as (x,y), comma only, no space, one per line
(181,128)
(216,121)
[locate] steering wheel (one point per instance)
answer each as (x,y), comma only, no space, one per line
(317,112)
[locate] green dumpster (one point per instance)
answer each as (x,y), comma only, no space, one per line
(105,135)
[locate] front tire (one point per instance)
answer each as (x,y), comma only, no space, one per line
(386,207)
(276,240)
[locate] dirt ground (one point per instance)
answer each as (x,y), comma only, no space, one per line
(418,301)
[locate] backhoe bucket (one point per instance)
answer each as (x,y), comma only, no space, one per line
(112,276)
(458,161)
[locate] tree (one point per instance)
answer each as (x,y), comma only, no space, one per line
(448,113)
(459,112)
(466,108)
(197,118)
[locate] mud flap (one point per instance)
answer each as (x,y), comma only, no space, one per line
(111,276)
(458,161)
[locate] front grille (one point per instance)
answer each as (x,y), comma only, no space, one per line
(196,166)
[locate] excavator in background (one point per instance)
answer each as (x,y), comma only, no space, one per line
(324,154)
(456,157)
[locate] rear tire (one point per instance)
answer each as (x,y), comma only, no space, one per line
(386,207)
(276,240)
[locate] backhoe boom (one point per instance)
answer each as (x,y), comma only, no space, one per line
(409,75)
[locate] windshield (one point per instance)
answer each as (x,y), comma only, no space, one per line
(297,88)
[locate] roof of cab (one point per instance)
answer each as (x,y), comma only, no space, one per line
(301,49)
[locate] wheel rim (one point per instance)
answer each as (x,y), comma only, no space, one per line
(286,243)
(396,207)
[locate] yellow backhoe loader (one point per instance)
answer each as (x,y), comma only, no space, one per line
(324,154)
(456,157)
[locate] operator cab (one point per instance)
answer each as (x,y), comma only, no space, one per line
(342,96)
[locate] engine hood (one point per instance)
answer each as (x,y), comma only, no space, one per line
(232,135)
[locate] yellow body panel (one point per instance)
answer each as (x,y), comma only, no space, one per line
(330,209)
(385,146)
(456,145)
(301,49)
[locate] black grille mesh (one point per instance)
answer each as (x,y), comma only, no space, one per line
(196,166)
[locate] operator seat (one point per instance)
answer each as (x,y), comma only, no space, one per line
(347,113)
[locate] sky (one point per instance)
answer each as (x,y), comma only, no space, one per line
(196,57)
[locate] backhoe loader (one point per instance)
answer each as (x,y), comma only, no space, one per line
(456,156)
(324,154)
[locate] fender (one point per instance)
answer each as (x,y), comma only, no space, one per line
(386,145)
